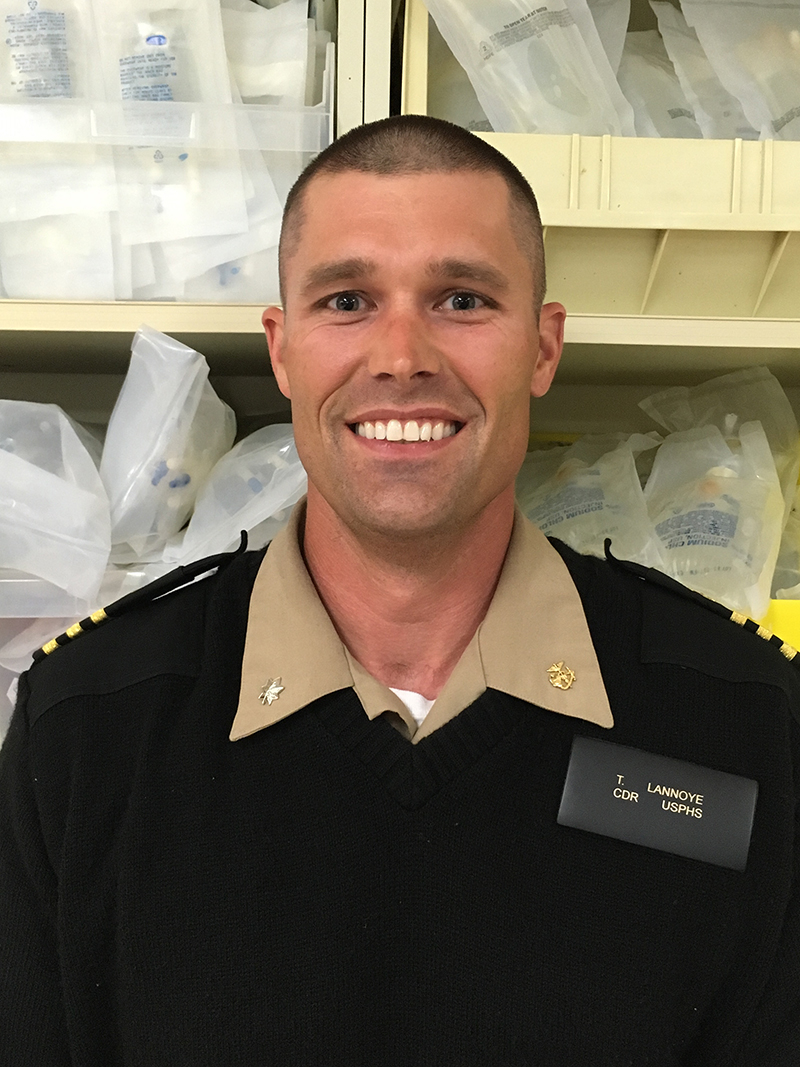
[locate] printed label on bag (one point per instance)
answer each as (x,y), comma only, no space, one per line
(534,24)
(567,504)
(147,76)
(701,527)
(37,42)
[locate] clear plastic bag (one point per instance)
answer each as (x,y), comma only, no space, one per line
(650,84)
(251,488)
(535,69)
(54,514)
(754,394)
(268,50)
(167,430)
(717,509)
(19,639)
(786,580)
(192,257)
(60,257)
(251,279)
(168,51)
(45,49)
(143,270)
(169,191)
(450,92)
(754,48)
(611,17)
(39,179)
(589,491)
(151,278)
(717,112)
(172,193)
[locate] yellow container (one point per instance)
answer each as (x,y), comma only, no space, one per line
(783,618)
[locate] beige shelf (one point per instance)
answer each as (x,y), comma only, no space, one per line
(649,226)
(79,315)
(620,349)
(66,336)
(672,331)
(633,182)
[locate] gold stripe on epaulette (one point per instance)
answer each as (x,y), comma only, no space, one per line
(74,631)
(767,635)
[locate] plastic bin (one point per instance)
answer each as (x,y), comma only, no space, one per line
(691,227)
(136,170)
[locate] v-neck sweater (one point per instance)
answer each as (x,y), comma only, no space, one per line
(324,892)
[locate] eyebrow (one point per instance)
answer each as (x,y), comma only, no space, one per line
(342,270)
(469,270)
(348,270)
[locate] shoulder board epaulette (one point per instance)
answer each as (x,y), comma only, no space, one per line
(168,583)
(656,577)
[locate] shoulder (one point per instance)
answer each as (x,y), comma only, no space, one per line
(672,624)
(160,631)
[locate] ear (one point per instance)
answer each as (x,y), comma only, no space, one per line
(273,322)
(551,343)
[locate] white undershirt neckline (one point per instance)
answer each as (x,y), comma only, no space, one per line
(417,704)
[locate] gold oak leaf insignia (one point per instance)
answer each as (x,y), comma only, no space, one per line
(271,691)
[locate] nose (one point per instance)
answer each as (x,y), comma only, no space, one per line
(402,347)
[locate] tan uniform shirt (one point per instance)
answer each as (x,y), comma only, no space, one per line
(532,641)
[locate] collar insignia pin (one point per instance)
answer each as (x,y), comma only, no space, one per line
(561,677)
(271,691)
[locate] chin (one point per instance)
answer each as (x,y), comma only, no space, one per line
(391,513)
(407,520)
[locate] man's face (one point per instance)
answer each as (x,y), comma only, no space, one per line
(409,312)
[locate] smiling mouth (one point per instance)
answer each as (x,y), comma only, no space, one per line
(412,430)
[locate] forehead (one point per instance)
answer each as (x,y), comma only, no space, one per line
(459,213)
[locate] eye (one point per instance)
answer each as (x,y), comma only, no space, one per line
(463,301)
(346,302)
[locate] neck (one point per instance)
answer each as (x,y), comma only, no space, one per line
(406,610)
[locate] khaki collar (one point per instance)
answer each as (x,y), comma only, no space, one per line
(535,622)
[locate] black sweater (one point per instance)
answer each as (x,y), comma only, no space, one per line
(326,893)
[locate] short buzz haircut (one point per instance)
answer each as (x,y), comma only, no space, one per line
(418,144)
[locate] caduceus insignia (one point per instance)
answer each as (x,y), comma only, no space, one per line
(271,691)
(561,677)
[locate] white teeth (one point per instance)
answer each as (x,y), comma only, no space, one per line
(412,430)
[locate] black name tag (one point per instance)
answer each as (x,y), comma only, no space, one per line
(659,802)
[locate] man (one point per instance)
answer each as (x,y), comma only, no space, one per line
(415,786)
